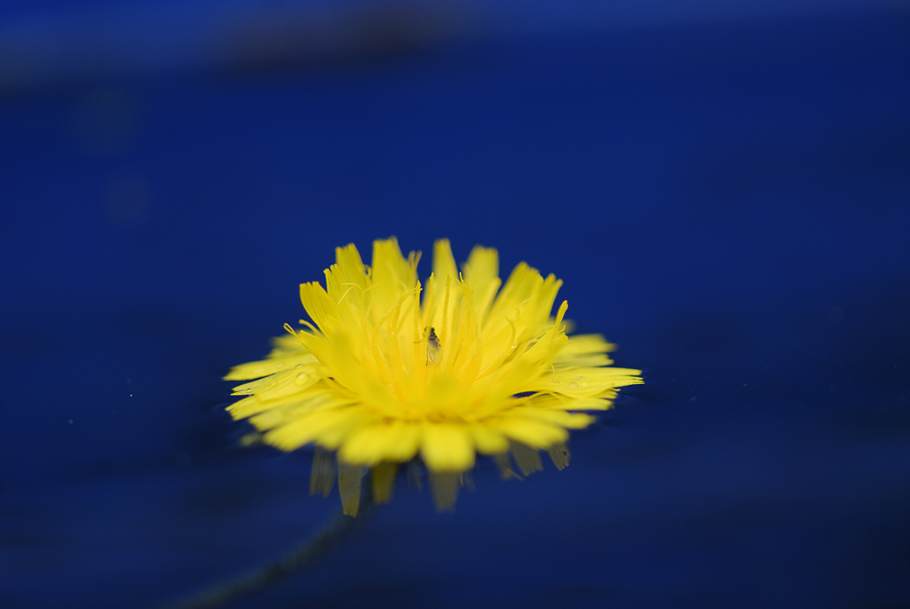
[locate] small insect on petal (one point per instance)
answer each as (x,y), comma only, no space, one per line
(434,349)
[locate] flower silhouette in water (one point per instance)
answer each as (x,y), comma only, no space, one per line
(392,371)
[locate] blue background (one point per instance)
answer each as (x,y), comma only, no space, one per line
(724,188)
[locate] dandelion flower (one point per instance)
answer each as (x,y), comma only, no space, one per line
(391,371)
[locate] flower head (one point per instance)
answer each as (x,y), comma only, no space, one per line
(392,370)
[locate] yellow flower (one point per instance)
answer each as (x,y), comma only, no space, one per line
(390,370)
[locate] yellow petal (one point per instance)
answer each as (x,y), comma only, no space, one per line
(446,293)
(558,417)
(255,370)
(583,344)
(447,448)
(371,444)
(392,275)
(274,413)
(583,382)
(570,404)
(286,344)
(535,434)
(444,261)
(349,267)
(282,384)
(488,441)
(481,274)
(328,427)
(317,303)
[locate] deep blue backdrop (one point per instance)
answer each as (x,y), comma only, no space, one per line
(729,200)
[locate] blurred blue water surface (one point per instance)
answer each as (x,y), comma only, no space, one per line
(727,199)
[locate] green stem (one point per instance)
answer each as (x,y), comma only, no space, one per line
(331,532)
